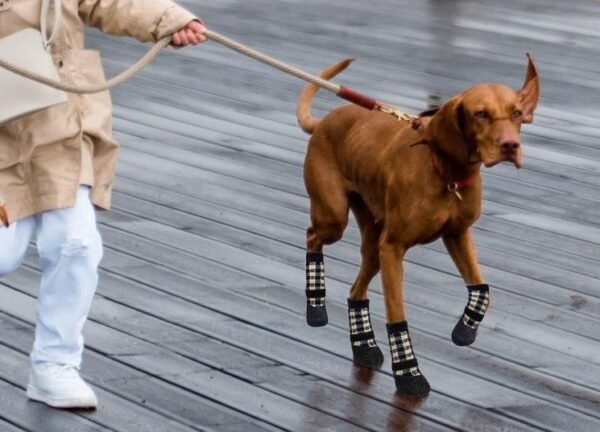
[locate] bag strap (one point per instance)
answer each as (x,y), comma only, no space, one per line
(93,88)
(44,21)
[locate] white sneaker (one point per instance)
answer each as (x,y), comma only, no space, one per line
(59,386)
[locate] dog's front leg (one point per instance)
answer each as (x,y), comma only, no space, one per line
(464,253)
(408,377)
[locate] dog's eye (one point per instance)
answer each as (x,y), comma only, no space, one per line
(482,114)
(517,114)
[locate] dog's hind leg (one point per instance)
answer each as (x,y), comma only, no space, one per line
(370,231)
(316,309)
(365,351)
(462,250)
(329,215)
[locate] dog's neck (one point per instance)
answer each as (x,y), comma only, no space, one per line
(451,172)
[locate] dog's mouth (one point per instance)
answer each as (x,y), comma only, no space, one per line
(516,161)
(492,158)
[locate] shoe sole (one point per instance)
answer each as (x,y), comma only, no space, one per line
(73,403)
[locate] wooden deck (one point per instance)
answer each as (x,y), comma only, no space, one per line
(199,318)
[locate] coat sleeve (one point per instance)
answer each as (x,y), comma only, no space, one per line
(146,20)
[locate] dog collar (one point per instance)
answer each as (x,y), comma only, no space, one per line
(453,186)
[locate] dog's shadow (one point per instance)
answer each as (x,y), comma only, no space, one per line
(363,377)
(401,419)
(402,409)
(360,407)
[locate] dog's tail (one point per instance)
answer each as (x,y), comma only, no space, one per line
(304,112)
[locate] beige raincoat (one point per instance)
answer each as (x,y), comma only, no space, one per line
(44,157)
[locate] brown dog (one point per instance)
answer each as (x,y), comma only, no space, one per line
(406,186)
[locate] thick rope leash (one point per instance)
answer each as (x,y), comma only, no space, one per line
(340,90)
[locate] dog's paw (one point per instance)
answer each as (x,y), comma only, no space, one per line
(463,335)
(412,385)
(366,356)
(316,316)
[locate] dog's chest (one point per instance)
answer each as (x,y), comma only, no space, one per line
(440,221)
(458,223)
(460,216)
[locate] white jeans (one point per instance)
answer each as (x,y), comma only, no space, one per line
(70,250)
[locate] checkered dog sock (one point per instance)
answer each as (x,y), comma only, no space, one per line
(408,377)
(465,331)
(316,311)
(365,351)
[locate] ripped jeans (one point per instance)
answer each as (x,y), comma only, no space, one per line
(70,249)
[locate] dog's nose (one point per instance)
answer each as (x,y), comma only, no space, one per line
(509,147)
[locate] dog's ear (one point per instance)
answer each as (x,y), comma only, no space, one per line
(449,119)
(430,112)
(446,130)
(530,93)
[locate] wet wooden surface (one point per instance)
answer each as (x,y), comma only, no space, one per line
(198,322)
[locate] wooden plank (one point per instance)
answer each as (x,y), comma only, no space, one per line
(378,308)
(341,271)
(114,413)
(543,197)
(300,48)
(290,184)
(271,228)
(547,273)
(203,273)
(397,86)
(9,427)
(299,259)
(216,385)
(39,418)
(111,376)
(205,321)
(131,384)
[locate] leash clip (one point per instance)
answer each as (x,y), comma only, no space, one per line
(400,115)
(453,188)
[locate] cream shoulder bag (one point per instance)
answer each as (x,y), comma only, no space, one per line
(29,49)
(29,81)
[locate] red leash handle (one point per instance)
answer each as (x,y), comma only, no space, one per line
(341,91)
(372,105)
(357,98)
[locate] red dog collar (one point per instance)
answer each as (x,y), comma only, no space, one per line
(453,186)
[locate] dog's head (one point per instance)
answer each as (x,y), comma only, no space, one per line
(483,124)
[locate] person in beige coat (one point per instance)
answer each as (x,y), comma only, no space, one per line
(56,167)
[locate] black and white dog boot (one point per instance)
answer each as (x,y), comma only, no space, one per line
(316,311)
(409,379)
(465,331)
(365,351)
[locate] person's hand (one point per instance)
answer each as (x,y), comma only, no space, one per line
(193,33)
